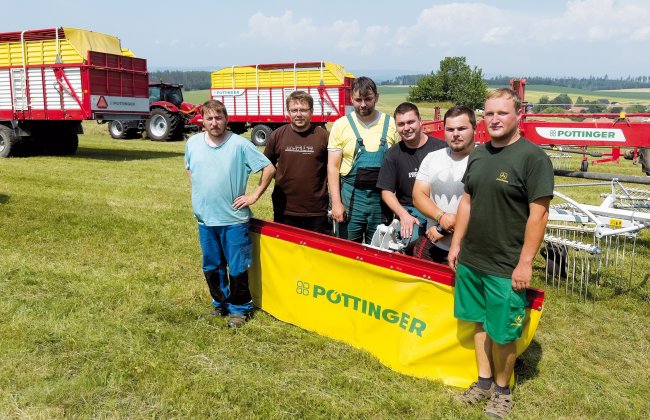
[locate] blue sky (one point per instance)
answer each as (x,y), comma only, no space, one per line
(517,38)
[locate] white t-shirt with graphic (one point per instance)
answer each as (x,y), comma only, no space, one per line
(443,174)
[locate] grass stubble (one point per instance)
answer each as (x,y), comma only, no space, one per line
(102,290)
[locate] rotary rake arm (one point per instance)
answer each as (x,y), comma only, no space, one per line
(586,244)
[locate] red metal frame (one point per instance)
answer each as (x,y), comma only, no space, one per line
(627,132)
(426,270)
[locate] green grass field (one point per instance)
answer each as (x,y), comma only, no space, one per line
(391,96)
(102,290)
(534,92)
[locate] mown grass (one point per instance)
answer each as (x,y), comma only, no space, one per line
(102,291)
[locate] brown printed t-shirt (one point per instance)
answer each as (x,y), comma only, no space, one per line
(301,176)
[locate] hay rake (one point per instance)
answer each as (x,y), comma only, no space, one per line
(587,246)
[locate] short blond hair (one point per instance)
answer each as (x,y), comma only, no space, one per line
(507,93)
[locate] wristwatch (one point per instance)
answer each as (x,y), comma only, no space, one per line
(441,231)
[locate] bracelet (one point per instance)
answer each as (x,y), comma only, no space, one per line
(441,216)
(438,216)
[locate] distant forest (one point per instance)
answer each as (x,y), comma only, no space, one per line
(191,80)
(200,80)
(587,83)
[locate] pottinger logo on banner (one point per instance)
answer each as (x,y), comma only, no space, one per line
(584,134)
(402,319)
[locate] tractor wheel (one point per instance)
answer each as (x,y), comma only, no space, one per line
(163,125)
(117,129)
(8,140)
(260,134)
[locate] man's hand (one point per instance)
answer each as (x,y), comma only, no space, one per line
(407,221)
(448,222)
(338,212)
(433,235)
(452,257)
(521,276)
(244,201)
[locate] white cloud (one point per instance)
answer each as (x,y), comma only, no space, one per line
(483,24)
(286,31)
(594,21)
(459,24)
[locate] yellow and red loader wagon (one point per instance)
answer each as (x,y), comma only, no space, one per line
(255,95)
(53,79)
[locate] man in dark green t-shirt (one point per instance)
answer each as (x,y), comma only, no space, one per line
(500,225)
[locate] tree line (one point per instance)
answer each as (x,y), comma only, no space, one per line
(562,103)
(585,83)
(191,80)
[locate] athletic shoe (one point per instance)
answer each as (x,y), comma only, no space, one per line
(237,321)
(216,312)
(474,394)
(499,406)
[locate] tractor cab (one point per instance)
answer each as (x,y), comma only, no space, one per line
(166,92)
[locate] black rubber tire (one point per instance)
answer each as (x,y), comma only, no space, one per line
(8,140)
(628,154)
(644,159)
(584,166)
(260,134)
(162,125)
(117,130)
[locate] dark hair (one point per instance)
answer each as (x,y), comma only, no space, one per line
(300,96)
(508,93)
(459,110)
(363,85)
(405,107)
(214,105)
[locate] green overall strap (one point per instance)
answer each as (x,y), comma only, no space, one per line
(359,144)
(385,132)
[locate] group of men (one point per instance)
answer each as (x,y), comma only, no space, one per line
(452,200)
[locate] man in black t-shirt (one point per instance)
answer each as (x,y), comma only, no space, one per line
(400,167)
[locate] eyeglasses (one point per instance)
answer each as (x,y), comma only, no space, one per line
(299,111)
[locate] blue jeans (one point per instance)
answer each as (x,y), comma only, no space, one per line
(226,257)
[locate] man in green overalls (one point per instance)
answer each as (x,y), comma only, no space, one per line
(357,145)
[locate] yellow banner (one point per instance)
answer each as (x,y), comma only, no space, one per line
(404,320)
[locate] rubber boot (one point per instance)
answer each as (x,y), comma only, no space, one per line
(213,278)
(239,292)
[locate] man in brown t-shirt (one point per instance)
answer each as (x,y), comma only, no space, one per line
(299,152)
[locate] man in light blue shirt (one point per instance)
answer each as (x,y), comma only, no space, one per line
(219,163)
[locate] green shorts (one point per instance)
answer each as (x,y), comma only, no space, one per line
(489,300)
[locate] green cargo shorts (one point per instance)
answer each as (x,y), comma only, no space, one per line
(491,301)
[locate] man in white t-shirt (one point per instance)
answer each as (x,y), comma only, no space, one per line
(438,187)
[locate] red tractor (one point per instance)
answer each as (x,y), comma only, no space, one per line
(169,117)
